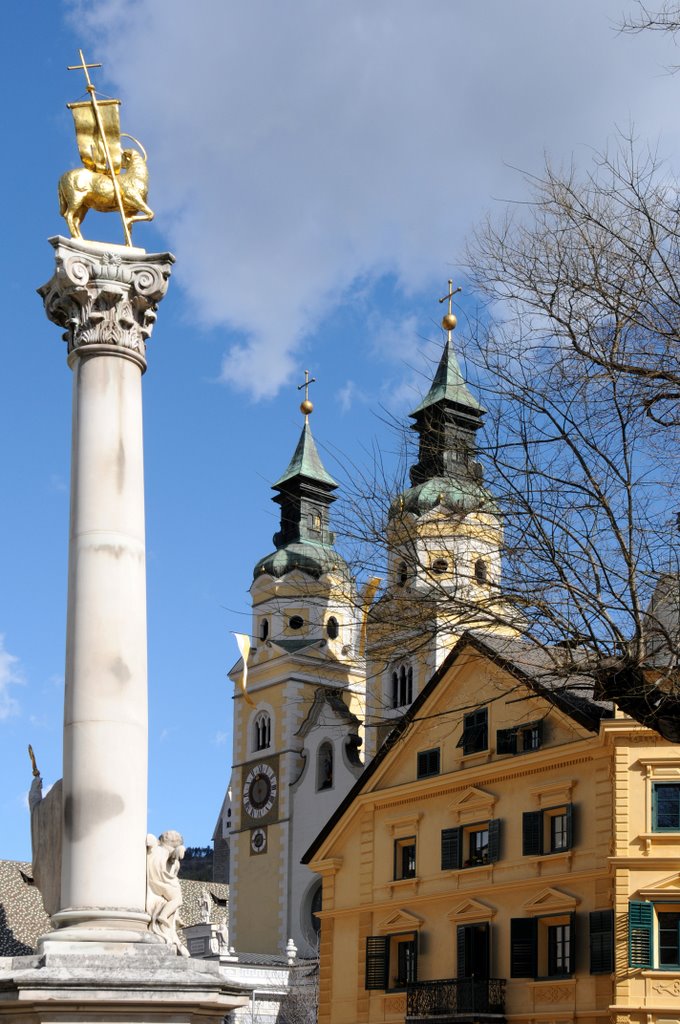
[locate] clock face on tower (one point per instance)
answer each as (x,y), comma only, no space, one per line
(259,790)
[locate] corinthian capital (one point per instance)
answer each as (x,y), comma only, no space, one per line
(105,296)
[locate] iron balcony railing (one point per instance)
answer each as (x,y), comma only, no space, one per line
(454,997)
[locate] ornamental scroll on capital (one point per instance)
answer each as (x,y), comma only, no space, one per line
(105,300)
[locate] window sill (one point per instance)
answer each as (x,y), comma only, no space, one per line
(403,885)
(657,839)
(558,979)
(558,855)
(478,757)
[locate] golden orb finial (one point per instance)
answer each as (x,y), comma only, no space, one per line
(306,406)
(449,320)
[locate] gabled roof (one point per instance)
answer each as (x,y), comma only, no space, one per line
(534,666)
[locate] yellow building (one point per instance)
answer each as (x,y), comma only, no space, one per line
(512,853)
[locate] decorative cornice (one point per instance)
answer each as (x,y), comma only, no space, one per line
(106,297)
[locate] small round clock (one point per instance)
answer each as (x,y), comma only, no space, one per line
(259,790)
(258,840)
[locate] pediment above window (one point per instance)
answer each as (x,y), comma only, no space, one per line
(665,889)
(471,910)
(551,901)
(400,921)
(472,805)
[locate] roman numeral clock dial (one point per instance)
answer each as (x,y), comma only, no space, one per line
(259,790)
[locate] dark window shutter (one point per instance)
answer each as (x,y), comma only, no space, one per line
(451,848)
(601,941)
(376,961)
(415,957)
(532,833)
(460,950)
(640,934)
(572,943)
(428,762)
(506,741)
(494,840)
(570,826)
(523,947)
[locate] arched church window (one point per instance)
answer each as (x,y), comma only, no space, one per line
(324,766)
(263,731)
(402,686)
(402,574)
(482,570)
(332,628)
(264,629)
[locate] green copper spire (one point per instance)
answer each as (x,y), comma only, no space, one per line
(306,461)
(447,420)
(305,492)
(448,384)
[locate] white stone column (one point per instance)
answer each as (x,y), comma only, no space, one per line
(105,296)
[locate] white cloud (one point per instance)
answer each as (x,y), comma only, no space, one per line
(221,738)
(10,675)
(301,150)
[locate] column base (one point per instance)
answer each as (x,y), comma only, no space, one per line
(94,926)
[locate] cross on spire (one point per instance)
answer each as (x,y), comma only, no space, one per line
(449,320)
(306,406)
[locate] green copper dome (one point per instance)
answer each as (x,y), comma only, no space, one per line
(456,495)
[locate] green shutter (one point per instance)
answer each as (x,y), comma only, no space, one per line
(601,941)
(451,848)
(640,934)
(532,833)
(377,950)
(523,953)
(494,840)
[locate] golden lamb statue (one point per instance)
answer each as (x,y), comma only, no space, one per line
(99,184)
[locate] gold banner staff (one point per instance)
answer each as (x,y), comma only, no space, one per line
(116,187)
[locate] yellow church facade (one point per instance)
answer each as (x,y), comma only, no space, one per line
(512,853)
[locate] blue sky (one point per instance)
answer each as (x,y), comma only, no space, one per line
(315,168)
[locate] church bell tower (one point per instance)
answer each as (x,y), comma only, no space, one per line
(297,721)
(444,538)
